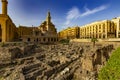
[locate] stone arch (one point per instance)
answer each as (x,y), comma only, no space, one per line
(9,30)
(28,39)
(51,39)
(0,33)
(44,39)
(37,39)
(54,39)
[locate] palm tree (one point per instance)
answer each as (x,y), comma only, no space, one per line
(94,40)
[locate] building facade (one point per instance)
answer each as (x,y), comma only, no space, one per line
(8,31)
(116,22)
(69,33)
(45,33)
(99,29)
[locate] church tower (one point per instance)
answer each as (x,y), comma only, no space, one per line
(4,6)
(48,17)
(48,21)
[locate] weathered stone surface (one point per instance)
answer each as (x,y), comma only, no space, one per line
(74,61)
(16,75)
(28,49)
(9,54)
(15,53)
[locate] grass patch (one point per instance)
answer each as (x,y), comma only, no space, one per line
(111,71)
(64,41)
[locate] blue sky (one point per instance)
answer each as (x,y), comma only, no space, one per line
(65,13)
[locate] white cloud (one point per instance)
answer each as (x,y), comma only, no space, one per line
(74,13)
(97,9)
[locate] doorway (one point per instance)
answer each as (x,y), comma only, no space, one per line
(28,40)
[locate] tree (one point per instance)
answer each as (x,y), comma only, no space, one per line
(94,40)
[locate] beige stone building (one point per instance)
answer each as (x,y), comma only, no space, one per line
(8,31)
(69,33)
(99,29)
(116,22)
(45,33)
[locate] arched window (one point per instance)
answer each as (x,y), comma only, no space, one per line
(51,39)
(54,39)
(28,40)
(10,30)
(44,39)
(37,40)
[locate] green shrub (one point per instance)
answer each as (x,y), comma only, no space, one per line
(111,71)
(15,43)
(2,44)
(64,41)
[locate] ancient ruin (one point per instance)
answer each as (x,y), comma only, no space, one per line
(73,61)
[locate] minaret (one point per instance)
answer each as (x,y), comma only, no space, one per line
(4,6)
(48,17)
(48,20)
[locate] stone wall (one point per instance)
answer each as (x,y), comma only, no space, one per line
(8,54)
(93,60)
(100,40)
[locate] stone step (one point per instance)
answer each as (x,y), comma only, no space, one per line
(30,68)
(33,75)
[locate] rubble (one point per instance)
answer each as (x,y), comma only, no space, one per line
(73,61)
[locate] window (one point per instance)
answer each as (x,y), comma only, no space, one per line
(103,36)
(103,27)
(99,26)
(37,39)
(51,39)
(36,33)
(54,39)
(44,39)
(9,29)
(28,40)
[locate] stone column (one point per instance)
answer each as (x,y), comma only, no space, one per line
(4,7)
(102,31)
(106,28)
(4,32)
(117,29)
